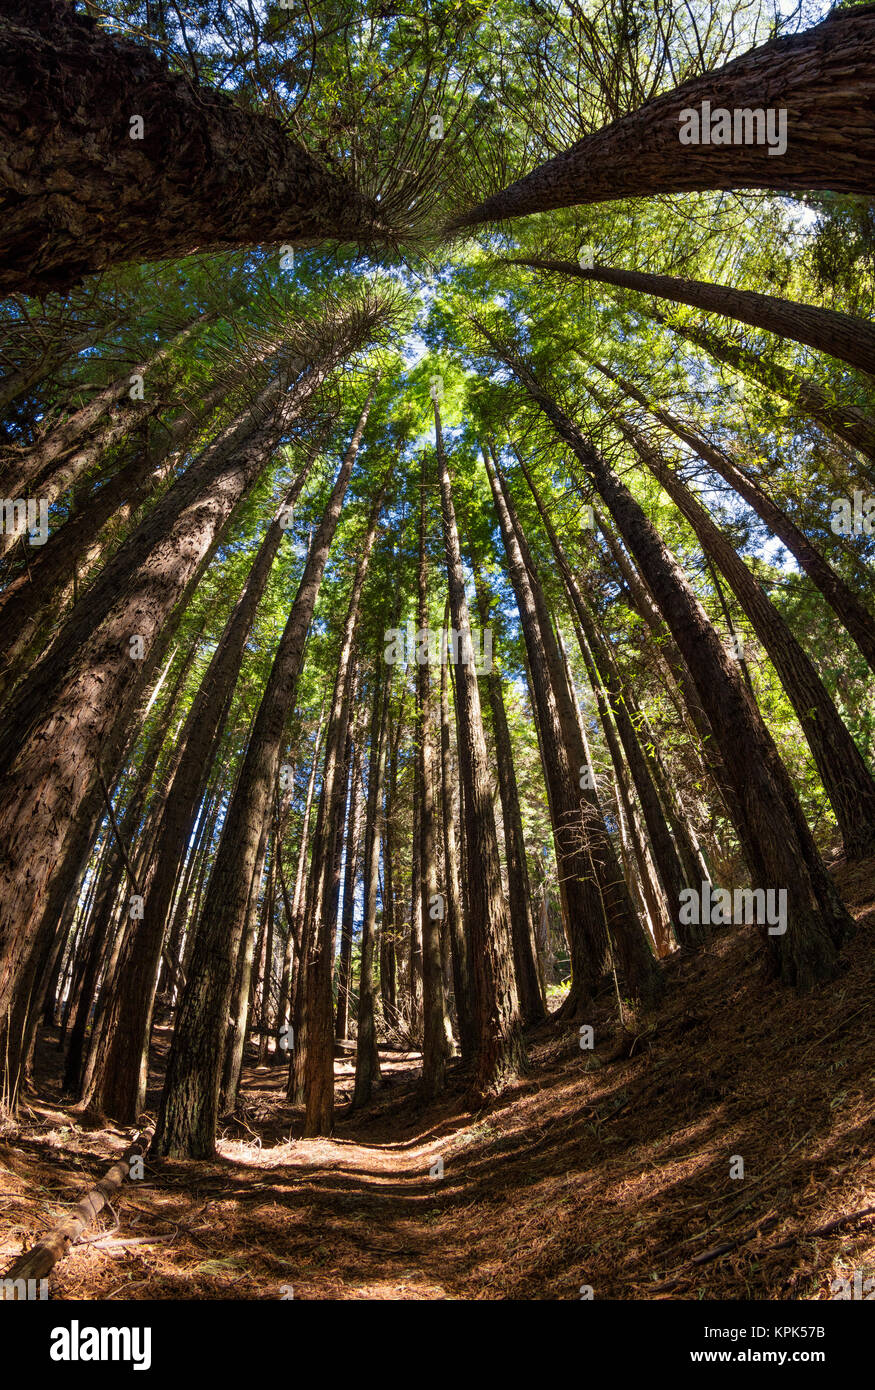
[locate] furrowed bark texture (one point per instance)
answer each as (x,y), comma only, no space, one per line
(78,193)
(824,78)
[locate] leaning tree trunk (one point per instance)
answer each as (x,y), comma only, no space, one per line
(649,887)
(26,944)
(843,336)
(189,1108)
(849,608)
(38,591)
(825,80)
(501,1053)
(582,905)
(119,864)
(681,688)
(786,856)
(849,423)
(52,572)
(87,185)
(59,460)
(124,1072)
(842,769)
(87,684)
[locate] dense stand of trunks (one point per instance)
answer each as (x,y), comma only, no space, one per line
(164,859)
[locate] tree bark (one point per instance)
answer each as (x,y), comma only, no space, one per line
(367,1058)
(318,963)
(455,920)
(190,1101)
(525,960)
(501,1053)
(81,192)
(605,675)
(122,1093)
(347,921)
(294,910)
(433,904)
(843,336)
(600,909)
(849,608)
(840,765)
(389,931)
(786,857)
(40,588)
(824,78)
(85,687)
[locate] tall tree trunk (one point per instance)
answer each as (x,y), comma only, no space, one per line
(38,591)
(204,173)
(670,869)
(414,960)
(367,1059)
(525,961)
(41,585)
(389,932)
(30,950)
(680,686)
(599,904)
(817,77)
(314,1019)
(462,988)
(265,1007)
(292,957)
(785,855)
(433,904)
(347,921)
(842,769)
(322,902)
(843,336)
(105,904)
(125,1069)
(235,1038)
(501,1052)
(188,1112)
(87,684)
(850,609)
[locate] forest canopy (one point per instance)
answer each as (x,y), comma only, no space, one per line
(438,485)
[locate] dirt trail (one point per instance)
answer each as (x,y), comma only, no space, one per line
(611,1172)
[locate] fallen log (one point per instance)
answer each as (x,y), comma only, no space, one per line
(42,1257)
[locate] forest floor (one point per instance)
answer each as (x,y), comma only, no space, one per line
(613,1174)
